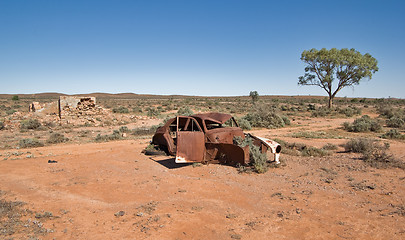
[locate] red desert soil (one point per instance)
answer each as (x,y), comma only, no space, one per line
(334,197)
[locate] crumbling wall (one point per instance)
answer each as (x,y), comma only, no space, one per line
(35,106)
(69,106)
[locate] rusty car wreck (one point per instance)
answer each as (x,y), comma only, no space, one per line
(209,138)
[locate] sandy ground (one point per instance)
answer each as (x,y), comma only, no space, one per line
(334,197)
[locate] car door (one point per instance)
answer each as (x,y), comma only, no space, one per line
(190,141)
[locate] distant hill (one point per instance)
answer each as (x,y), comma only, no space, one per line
(55,95)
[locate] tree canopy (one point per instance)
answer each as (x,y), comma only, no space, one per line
(347,66)
(255,96)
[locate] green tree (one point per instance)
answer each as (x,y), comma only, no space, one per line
(15,98)
(348,67)
(255,96)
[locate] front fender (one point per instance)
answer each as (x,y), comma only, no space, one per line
(266,143)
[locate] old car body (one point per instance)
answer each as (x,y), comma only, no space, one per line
(208,137)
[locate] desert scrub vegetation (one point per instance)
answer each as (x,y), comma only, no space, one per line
(120,109)
(185,111)
(349,111)
(258,160)
(395,116)
(144,131)
(393,134)
(57,138)
(153,112)
(30,143)
(1,125)
(363,124)
(16,219)
(374,153)
(314,135)
(244,124)
(266,118)
(115,135)
(300,149)
(29,124)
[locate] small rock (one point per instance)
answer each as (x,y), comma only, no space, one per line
(119,214)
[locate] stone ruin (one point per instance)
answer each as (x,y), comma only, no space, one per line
(69,109)
(66,106)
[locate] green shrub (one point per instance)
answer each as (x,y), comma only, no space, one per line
(144,131)
(350,111)
(373,153)
(124,129)
(185,111)
(314,152)
(358,145)
(393,134)
(57,138)
(258,160)
(321,112)
(152,112)
(377,157)
(29,124)
(15,98)
(30,142)
(300,149)
(120,109)
(329,146)
(244,124)
(1,125)
(10,111)
(395,122)
(116,135)
(363,124)
(266,119)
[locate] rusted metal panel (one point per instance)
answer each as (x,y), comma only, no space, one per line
(190,147)
(227,153)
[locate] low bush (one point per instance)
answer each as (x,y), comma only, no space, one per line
(144,131)
(329,146)
(120,109)
(393,134)
(152,112)
(30,124)
(314,152)
(116,135)
(374,153)
(1,125)
(321,112)
(258,160)
(350,111)
(185,111)
(363,124)
(244,124)
(57,138)
(124,129)
(10,111)
(266,119)
(30,143)
(358,145)
(299,149)
(395,122)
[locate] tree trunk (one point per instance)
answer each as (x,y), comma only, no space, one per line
(330,104)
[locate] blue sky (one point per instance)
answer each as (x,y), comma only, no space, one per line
(190,47)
